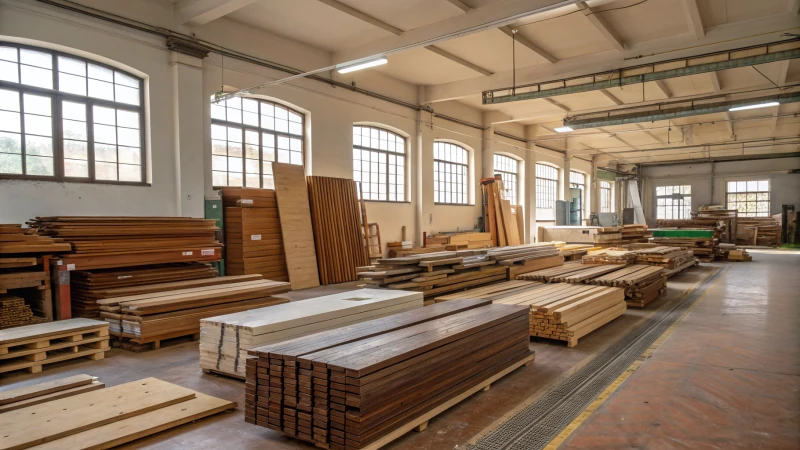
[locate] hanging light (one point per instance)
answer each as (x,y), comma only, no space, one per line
(378,61)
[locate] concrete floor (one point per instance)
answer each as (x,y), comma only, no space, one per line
(748,321)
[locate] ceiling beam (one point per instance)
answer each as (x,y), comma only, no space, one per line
(608,33)
(618,139)
(793,6)
(611,97)
(783,73)
(694,19)
(525,42)
(458,60)
(200,12)
(651,134)
(715,84)
(460,5)
(362,16)
(556,104)
(663,88)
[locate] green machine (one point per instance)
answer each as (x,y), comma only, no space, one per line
(213,210)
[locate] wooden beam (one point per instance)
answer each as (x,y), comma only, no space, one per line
(663,87)
(611,97)
(361,16)
(460,5)
(458,60)
(694,19)
(525,42)
(608,33)
(556,104)
(200,12)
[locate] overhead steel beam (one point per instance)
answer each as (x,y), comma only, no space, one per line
(458,60)
(752,157)
(608,33)
(362,16)
(200,12)
(713,62)
(694,19)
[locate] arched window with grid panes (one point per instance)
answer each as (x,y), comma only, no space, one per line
(68,118)
(508,168)
(248,135)
(379,163)
(450,174)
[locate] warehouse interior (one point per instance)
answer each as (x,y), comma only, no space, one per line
(363,224)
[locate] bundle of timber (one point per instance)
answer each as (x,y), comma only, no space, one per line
(88,286)
(642,284)
(739,255)
(224,340)
(519,254)
(610,255)
(435,273)
(399,253)
(550,274)
(619,236)
(336,216)
(758,231)
(15,312)
(253,239)
(461,240)
(573,252)
(503,221)
(14,239)
(48,391)
(673,259)
(149,318)
(367,385)
(87,415)
(726,221)
(108,242)
(493,291)
(32,346)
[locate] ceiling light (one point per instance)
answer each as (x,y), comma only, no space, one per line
(759,105)
(564,129)
(363,65)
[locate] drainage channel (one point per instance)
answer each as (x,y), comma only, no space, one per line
(540,422)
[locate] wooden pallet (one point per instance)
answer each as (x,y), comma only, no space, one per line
(32,352)
(137,344)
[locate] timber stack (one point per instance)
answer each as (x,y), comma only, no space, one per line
(460,241)
(610,255)
(366,385)
(621,236)
(672,259)
(702,242)
(641,283)
(758,231)
(503,221)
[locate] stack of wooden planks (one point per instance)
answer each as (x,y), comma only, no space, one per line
(336,219)
(672,259)
(32,346)
(366,385)
(14,239)
(435,273)
(554,273)
(224,340)
(461,240)
(642,284)
(175,309)
(253,234)
(492,291)
(109,242)
(15,312)
(739,255)
(620,236)
(101,417)
(88,286)
(503,221)
(611,255)
(48,391)
(574,252)
(758,231)
(702,242)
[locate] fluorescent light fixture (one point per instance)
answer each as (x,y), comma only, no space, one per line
(759,105)
(564,129)
(364,65)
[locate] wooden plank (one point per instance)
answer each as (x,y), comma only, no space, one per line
(93,386)
(32,333)
(48,387)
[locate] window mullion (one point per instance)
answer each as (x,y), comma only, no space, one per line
(90,137)
(58,140)
(23,144)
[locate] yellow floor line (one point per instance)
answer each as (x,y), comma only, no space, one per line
(583,416)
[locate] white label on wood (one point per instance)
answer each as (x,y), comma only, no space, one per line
(70,266)
(246,201)
(208,252)
(124,277)
(255,237)
(188,253)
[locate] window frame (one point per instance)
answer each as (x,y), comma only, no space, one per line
(495,170)
(546,180)
(467,174)
(260,131)
(56,101)
(768,201)
(388,153)
(682,199)
(606,189)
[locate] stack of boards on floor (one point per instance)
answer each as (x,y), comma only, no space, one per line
(152,313)
(367,384)
(80,412)
(224,340)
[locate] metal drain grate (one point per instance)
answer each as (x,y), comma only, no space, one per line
(539,423)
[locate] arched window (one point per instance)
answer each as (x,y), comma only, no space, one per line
(379,163)
(67,118)
(507,167)
(450,173)
(546,186)
(248,135)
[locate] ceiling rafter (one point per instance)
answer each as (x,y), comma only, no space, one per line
(717,86)
(608,33)
(662,86)
(201,12)
(611,97)
(694,19)
(525,42)
(557,105)
(650,133)
(460,5)
(459,60)
(362,16)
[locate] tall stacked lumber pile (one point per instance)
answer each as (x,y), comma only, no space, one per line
(726,221)
(336,219)
(672,259)
(434,273)
(461,240)
(70,416)
(642,284)
(13,399)
(503,221)
(253,239)
(758,231)
(703,243)
(89,286)
(621,236)
(176,309)
(365,386)
(224,340)
(30,347)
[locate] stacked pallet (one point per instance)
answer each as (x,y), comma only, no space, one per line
(253,235)
(224,340)
(702,242)
(48,391)
(32,346)
(364,386)
(758,231)
(168,313)
(89,286)
(672,259)
(336,219)
(435,273)
(642,284)
(103,417)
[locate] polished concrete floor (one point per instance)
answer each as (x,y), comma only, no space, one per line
(748,321)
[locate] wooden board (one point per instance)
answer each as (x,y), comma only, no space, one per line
(93,386)
(48,387)
(295,216)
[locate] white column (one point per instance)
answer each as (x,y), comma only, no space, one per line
(416,156)
(530,197)
(565,177)
(189,109)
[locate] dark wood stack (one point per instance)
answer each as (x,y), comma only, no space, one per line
(349,387)
(15,312)
(336,219)
(253,239)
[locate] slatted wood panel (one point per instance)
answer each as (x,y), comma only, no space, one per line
(295,216)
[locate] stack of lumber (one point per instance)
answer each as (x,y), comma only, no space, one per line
(253,235)
(88,286)
(520,254)
(702,242)
(224,340)
(572,252)
(48,391)
(434,273)
(610,255)
(101,417)
(620,236)
(14,239)
(109,242)
(726,221)
(176,309)
(336,219)
(758,231)
(739,255)
(672,259)
(400,245)
(642,284)
(365,386)
(32,346)
(399,253)
(493,291)
(15,312)
(554,273)
(503,221)
(461,241)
